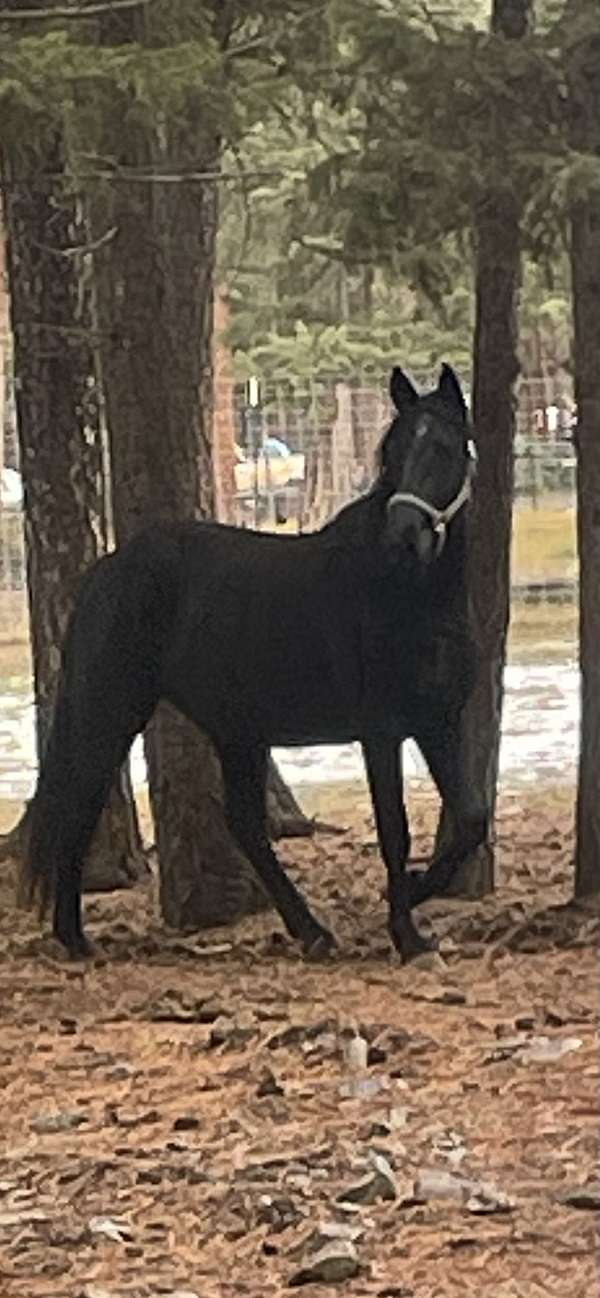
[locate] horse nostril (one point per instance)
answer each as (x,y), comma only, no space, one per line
(409,532)
(411,538)
(405,526)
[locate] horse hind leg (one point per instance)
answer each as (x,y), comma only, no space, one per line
(95,720)
(109,687)
(89,793)
(84,754)
(245,777)
(383,761)
(469,822)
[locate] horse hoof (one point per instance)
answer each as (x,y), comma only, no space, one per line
(431,962)
(320,947)
(77,948)
(82,949)
(411,944)
(414,888)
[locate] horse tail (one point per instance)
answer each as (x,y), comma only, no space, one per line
(108,688)
(38,870)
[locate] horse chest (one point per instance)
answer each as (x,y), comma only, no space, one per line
(416,677)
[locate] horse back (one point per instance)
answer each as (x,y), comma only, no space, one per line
(266,637)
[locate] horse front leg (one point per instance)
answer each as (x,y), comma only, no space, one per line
(467,822)
(245,780)
(383,761)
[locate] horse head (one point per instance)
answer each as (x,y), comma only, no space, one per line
(427,462)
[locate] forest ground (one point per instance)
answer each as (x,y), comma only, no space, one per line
(180,1117)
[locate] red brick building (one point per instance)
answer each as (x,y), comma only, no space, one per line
(4,340)
(223,417)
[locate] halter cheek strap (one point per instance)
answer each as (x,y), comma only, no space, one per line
(440,518)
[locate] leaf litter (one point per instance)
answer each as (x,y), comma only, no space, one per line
(190,1116)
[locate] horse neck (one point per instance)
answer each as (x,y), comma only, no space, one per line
(440,600)
(354,536)
(449,588)
(355,525)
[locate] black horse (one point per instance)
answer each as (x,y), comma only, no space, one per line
(357,632)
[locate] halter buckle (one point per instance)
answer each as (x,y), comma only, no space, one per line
(439,528)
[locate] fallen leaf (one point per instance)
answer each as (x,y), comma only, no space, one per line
(548,1050)
(586,1197)
(58,1122)
(380,1185)
(336,1262)
(111,1228)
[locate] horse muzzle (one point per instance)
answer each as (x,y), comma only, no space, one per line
(418,526)
(410,533)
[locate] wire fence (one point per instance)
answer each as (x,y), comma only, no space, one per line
(305,452)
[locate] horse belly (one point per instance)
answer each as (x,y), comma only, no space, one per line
(301,700)
(259,655)
(416,685)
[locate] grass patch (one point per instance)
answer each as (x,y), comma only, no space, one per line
(544,544)
(542,633)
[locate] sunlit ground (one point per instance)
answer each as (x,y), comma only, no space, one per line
(544,542)
(177,1133)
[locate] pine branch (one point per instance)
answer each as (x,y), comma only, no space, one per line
(265,40)
(145,177)
(62,11)
(177,178)
(247,228)
(432,20)
(78,250)
(247,47)
(321,249)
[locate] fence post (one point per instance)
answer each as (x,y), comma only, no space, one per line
(3,337)
(223,422)
(342,446)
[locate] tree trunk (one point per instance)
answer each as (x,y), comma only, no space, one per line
(155,303)
(59,439)
(584,107)
(495,370)
(286,817)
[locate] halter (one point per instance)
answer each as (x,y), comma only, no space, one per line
(440,518)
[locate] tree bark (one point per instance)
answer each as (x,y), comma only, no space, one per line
(59,438)
(155,303)
(495,370)
(286,817)
(584,111)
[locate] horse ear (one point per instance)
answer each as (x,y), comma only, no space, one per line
(449,389)
(401,389)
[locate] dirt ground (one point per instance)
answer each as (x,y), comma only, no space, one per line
(182,1117)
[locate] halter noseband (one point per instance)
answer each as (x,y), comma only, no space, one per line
(440,518)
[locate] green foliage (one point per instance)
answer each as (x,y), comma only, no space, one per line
(392,142)
(363,138)
(193,60)
(438,125)
(546,321)
(329,352)
(385,322)
(53,81)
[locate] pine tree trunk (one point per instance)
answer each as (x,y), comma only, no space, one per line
(155,302)
(204,880)
(495,370)
(286,817)
(59,439)
(584,95)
